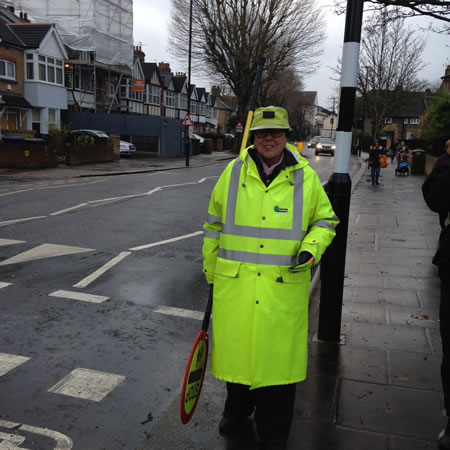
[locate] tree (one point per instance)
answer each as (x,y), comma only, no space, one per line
(230,36)
(390,57)
(437,10)
(435,124)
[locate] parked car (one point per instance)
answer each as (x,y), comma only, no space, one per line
(127,148)
(325,145)
(312,143)
(94,133)
(228,136)
(100,137)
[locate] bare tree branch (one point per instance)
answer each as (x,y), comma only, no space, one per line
(229,37)
(437,10)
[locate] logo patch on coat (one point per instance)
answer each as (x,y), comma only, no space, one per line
(280,210)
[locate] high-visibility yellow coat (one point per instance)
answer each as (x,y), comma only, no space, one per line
(253,234)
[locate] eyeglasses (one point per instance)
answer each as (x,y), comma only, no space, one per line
(261,134)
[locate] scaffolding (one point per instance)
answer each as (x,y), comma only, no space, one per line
(101,26)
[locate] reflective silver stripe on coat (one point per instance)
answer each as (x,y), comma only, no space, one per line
(212,234)
(213,220)
(324,224)
(294,234)
(258,258)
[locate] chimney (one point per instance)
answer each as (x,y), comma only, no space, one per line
(139,53)
(180,75)
(215,91)
(164,67)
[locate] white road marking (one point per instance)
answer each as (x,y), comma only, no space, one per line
(62,211)
(178,312)
(10,441)
(167,241)
(25,219)
(154,190)
(201,180)
(43,186)
(63,442)
(3,284)
(45,251)
(9,362)
(93,276)
(10,242)
(87,384)
(358,217)
(79,296)
(179,184)
(111,199)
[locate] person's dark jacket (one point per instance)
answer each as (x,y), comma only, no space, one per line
(374,157)
(436,192)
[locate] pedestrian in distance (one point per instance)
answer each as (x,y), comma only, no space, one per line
(436,192)
(374,162)
(445,158)
(269,221)
(394,147)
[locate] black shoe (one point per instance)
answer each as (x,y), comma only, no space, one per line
(377,182)
(444,437)
(275,445)
(230,425)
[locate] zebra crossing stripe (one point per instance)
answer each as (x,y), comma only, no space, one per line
(9,362)
(79,296)
(178,312)
(87,384)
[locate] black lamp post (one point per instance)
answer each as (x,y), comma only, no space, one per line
(188,147)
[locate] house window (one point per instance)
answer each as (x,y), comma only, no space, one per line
(405,120)
(170,99)
(182,101)
(154,95)
(59,72)
(388,120)
(49,70)
(52,119)
(7,69)
(36,121)
(414,121)
(29,66)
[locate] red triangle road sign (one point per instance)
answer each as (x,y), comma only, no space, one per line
(187,122)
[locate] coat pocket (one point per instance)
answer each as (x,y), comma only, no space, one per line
(227,268)
(287,276)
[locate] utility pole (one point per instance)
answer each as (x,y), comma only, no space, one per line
(339,185)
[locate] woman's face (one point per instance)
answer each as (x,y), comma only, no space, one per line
(269,144)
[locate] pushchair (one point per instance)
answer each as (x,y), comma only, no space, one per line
(403,164)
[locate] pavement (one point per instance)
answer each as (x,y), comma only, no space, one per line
(380,387)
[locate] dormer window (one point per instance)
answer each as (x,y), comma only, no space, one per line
(7,69)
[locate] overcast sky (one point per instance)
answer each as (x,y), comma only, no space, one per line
(151,23)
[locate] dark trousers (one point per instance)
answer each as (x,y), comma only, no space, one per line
(375,172)
(273,406)
(444,316)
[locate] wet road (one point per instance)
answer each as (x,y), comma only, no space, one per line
(98,281)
